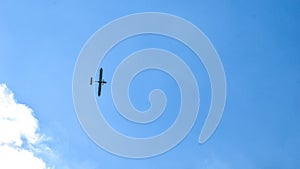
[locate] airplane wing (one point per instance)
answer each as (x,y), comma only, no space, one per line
(100,77)
(100,80)
(99,89)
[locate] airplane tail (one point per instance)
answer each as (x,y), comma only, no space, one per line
(91,81)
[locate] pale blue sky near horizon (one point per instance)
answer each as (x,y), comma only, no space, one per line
(257,41)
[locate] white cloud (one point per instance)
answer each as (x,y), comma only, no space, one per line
(16,158)
(20,140)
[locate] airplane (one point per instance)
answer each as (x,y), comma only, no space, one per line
(100,82)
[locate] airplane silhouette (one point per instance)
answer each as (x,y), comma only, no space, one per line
(100,81)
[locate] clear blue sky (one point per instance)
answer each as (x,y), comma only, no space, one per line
(257,41)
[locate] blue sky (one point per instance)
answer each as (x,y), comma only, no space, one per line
(257,41)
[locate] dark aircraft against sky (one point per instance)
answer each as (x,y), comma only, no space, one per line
(100,81)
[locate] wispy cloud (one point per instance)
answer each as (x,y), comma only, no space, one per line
(21,143)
